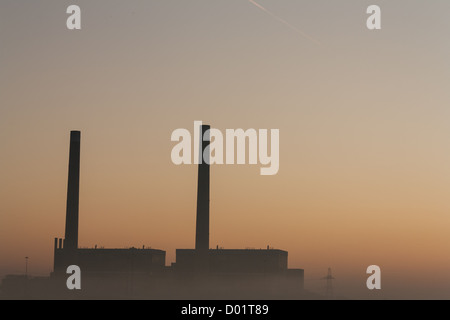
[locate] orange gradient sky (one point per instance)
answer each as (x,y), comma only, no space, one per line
(363,118)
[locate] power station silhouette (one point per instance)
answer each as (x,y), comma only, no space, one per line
(200,273)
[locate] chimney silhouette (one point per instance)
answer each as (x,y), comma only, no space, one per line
(202,226)
(73,191)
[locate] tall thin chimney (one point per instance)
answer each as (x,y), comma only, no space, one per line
(73,191)
(202,227)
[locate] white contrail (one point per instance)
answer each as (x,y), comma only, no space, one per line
(285,22)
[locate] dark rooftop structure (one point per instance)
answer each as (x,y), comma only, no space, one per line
(236,260)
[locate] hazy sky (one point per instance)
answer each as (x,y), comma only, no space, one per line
(364,132)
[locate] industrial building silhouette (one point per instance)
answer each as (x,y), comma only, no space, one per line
(199,273)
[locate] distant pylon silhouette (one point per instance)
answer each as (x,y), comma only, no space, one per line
(329,288)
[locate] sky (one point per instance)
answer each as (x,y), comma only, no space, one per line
(363,118)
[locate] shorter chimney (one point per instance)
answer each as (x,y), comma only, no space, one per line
(73,191)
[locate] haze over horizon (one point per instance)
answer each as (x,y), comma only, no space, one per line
(363,119)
